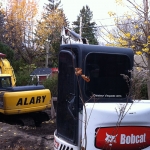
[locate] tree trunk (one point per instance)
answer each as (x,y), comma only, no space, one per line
(148,82)
(47,53)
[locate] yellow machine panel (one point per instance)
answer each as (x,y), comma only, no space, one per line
(6,68)
(26,101)
(26,104)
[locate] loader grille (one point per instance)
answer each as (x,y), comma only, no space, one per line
(64,147)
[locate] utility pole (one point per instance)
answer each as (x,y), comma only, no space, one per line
(146,11)
(80,26)
(47,53)
(54,4)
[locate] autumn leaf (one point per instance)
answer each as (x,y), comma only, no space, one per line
(128,35)
(87,79)
(138,68)
(78,71)
(148,37)
(82,148)
(139,53)
(20,21)
(133,38)
(111,13)
(49,25)
(145,49)
(136,26)
(120,2)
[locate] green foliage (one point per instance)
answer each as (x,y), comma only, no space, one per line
(53,5)
(2,24)
(139,85)
(51,83)
(144,92)
(16,65)
(23,78)
(20,65)
(7,50)
(54,54)
(48,30)
(88,27)
(22,72)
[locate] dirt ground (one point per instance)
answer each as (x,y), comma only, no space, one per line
(15,137)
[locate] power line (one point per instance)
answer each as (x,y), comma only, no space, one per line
(110,18)
(109,25)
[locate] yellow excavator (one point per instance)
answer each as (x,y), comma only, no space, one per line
(24,104)
(6,68)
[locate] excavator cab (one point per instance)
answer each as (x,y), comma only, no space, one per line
(5,81)
(6,68)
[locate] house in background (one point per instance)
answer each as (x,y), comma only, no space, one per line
(41,74)
(54,70)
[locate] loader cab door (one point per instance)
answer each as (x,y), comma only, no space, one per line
(67,110)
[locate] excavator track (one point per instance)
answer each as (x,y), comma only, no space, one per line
(26,121)
(41,117)
(31,119)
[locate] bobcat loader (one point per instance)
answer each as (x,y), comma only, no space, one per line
(25,105)
(94,107)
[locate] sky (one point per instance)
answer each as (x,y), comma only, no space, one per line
(100,9)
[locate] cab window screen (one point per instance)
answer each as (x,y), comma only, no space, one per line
(5,82)
(105,72)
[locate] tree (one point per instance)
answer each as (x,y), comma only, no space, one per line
(19,26)
(49,30)
(53,5)
(120,35)
(2,23)
(88,27)
(133,30)
(7,51)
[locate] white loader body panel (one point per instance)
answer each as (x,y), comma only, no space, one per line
(132,130)
(106,115)
(99,76)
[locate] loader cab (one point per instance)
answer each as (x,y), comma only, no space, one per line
(108,69)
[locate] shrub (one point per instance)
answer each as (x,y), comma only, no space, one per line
(22,78)
(139,85)
(144,92)
(22,73)
(51,83)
